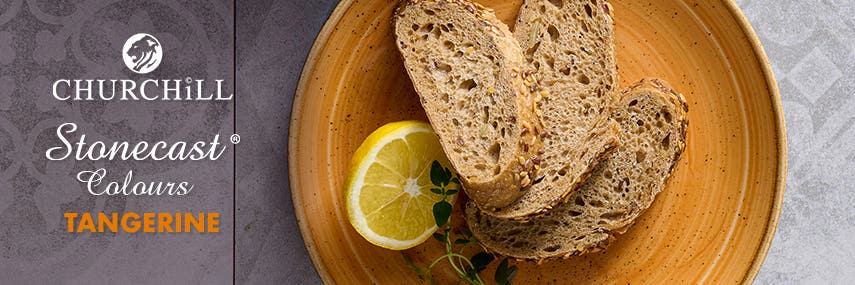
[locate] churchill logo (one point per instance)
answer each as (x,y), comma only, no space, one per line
(142,53)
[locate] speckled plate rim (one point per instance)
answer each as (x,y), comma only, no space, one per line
(777,107)
(344,5)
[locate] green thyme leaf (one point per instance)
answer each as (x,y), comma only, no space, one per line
(437,174)
(441,212)
(467,233)
(467,269)
(481,260)
(512,273)
(413,266)
(504,274)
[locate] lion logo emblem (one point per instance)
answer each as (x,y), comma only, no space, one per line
(142,53)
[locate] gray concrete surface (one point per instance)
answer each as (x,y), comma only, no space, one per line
(811,45)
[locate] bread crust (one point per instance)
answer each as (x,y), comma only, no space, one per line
(579,81)
(595,214)
(517,160)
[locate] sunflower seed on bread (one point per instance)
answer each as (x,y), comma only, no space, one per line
(571,45)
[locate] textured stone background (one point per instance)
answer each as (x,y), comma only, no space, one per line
(811,44)
(42,41)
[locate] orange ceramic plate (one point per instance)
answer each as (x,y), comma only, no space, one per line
(714,222)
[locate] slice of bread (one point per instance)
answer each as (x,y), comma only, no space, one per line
(654,124)
(571,45)
(472,80)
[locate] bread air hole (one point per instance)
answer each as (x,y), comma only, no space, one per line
(587,107)
(530,52)
(443,67)
(552,248)
(579,201)
(611,216)
(557,3)
(553,33)
(589,11)
(494,151)
(448,45)
(666,142)
(468,84)
(430,12)
(565,70)
(640,156)
(582,78)
(633,103)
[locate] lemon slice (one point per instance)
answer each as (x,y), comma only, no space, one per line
(389,201)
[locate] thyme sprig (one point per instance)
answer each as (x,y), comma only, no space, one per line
(467,268)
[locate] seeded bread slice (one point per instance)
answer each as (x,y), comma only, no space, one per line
(471,77)
(571,45)
(654,124)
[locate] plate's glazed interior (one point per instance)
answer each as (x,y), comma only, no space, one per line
(713,223)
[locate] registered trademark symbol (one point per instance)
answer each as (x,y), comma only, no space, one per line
(235,139)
